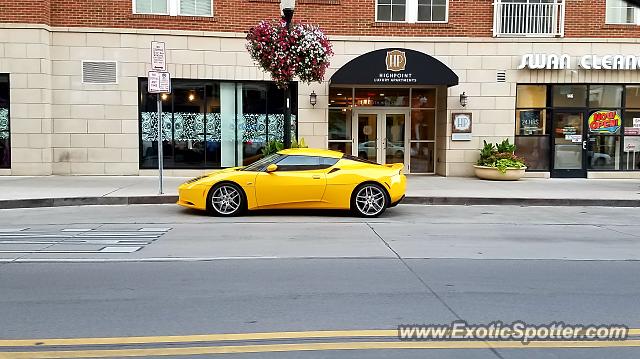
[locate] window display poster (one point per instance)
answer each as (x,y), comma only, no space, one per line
(530,122)
(605,122)
(632,144)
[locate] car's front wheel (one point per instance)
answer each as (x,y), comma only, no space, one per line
(226,200)
(369,200)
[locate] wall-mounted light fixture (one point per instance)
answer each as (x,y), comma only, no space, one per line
(464,99)
(313,98)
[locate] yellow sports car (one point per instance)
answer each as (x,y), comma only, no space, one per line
(298,178)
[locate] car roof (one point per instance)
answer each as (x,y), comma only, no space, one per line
(311,152)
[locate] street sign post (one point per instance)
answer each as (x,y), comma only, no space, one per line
(159,82)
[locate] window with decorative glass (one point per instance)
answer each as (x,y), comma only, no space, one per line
(212,124)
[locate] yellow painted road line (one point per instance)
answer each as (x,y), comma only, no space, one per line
(201,338)
(209,338)
(267,348)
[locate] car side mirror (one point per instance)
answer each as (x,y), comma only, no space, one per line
(272,167)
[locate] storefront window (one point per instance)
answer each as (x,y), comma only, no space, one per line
(604,152)
(630,155)
(423,98)
(422,130)
(422,155)
(605,96)
(5,144)
(592,127)
(532,139)
(340,119)
(569,96)
(211,124)
(340,97)
(382,97)
(632,97)
(340,124)
(532,96)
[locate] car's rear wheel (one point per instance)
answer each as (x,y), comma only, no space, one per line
(225,200)
(369,200)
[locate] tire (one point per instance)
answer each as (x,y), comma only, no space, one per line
(369,200)
(226,200)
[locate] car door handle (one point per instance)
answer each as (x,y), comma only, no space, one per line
(315,176)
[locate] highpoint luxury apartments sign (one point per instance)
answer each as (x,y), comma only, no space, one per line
(586,62)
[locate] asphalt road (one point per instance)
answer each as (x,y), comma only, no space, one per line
(274,273)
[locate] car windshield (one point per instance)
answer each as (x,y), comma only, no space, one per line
(263,162)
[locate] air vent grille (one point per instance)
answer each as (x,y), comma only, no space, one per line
(501,76)
(99,72)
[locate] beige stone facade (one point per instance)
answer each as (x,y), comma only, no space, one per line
(61,126)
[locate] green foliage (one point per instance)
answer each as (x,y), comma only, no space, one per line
(274,146)
(500,156)
(505,146)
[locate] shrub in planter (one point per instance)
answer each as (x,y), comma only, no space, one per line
(500,157)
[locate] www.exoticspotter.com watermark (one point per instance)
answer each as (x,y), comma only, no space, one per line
(516,331)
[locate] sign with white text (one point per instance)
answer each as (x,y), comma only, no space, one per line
(158,56)
(159,82)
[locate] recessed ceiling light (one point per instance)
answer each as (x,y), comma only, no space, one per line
(339,94)
(381,94)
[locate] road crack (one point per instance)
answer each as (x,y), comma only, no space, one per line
(424,283)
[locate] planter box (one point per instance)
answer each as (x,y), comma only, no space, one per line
(492,173)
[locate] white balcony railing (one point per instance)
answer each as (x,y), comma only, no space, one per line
(532,18)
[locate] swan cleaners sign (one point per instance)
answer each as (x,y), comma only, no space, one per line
(587,62)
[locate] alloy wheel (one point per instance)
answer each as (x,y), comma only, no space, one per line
(226,199)
(370,200)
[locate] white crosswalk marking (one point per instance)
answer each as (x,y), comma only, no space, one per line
(78,240)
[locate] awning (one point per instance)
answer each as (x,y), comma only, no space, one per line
(394,67)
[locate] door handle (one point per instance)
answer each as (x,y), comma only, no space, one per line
(315,176)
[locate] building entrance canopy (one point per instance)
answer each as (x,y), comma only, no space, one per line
(395,67)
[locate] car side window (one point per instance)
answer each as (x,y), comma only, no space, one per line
(305,163)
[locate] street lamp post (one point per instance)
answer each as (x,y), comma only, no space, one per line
(287,7)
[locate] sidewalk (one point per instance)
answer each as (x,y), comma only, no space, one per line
(47,191)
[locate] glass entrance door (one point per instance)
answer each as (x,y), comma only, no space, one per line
(367,136)
(569,145)
(394,141)
(381,135)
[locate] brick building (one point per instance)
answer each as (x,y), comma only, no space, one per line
(558,77)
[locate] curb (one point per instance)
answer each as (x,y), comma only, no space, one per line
(85,201)
(428,201)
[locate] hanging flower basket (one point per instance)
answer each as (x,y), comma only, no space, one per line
(303,51)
